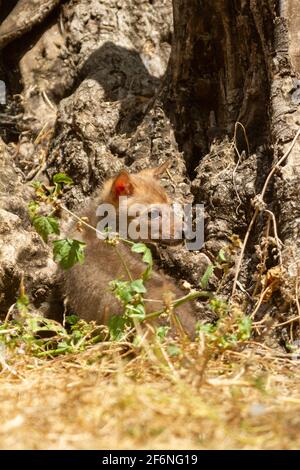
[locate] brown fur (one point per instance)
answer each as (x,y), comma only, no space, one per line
(86,286)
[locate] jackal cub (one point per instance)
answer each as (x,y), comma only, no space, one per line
(144,209)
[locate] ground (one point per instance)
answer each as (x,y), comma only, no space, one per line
(114,396)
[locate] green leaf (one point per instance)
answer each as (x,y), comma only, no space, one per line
(72,319)
(45,226)
(206,276)
(40,323)
(136,311)
(22,303)
(218,306)
(222,256)
(244,327)
(142,248)
(162,332)
(173,350)
(36,184)
(147,273)
(33,207)
(68,252)
(62,178)
(116,327)
(77,335)
(138,286)
(207,328)
(147,258)
(139,248)
(121,290)
(63,346)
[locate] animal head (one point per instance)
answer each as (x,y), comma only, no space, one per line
(143,207)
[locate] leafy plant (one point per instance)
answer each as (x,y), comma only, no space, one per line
(206,276)
(47,338)
(45,226)
(22,303)
(226,333)
(147,258)
(117,326)
(162,331)
(66,252)
(60,178)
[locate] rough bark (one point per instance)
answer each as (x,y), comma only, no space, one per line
(23,255)
(285,98)
(220,76)
(231,64)
(25,15)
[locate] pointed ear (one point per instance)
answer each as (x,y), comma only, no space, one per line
(160,170)
(122,185)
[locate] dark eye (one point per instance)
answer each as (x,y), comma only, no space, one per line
(154,214)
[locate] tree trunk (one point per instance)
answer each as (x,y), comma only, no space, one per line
(237,62)
(225,108)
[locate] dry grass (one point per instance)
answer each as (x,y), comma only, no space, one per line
(109,397)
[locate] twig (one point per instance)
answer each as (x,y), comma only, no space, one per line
(83,222)
(257,210)
(9,313)
(245,134)
(240,260)
(262,296)
(263,258)
(123,263)
(239,160)
(278,241)
(291,320)
(48,101)
(182,300)
(275,167)
(79,219)
(5,332)
(297,290)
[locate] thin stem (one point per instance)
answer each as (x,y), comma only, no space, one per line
(257,210)
(240,260)
(129,242)
(275,167)
(124,263)
(182,300)
(278,241)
